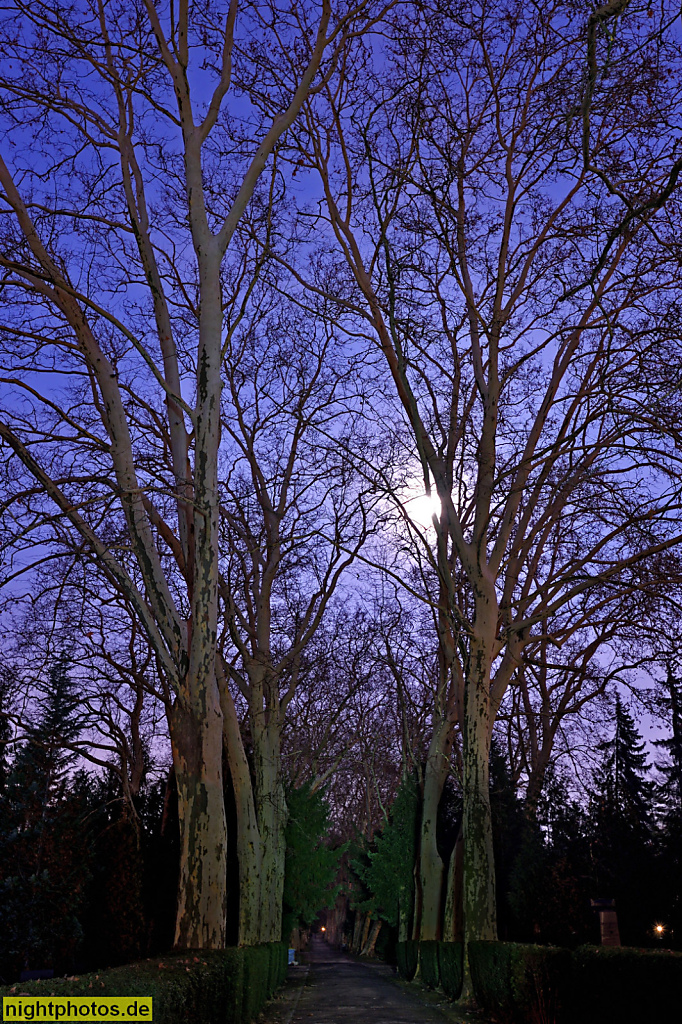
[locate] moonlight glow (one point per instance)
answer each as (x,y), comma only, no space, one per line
(422,508)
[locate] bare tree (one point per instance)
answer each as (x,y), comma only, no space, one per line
(70,615)
(295,514)
(527,327)
(125,178)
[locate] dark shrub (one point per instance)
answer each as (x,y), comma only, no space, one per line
(386,945)
(202,986)
(450,966)
(520,984)
(256,979)
(626,985)
(407,954)
(489,963)
(428,963)
(278,964)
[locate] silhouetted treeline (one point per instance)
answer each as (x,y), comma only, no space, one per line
(615,833)
(87,879)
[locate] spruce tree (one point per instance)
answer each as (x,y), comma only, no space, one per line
(669,790)
(387,870)
(622,829)
(622,786)
(43,847)
(311,864)
(669,794)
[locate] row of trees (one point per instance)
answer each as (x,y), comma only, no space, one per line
(89,880)
(611,831)
(273,273)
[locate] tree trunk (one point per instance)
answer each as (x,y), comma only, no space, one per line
(431,867)
(536,778)
(452,921)
(249,851)
(478,888)
(197,720)
(365,932)
(405,912)
(196,737)
(370,944)
(271,811)
(357,932)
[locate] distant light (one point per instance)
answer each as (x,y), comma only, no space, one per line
(421,508)
(659,929)
(324,929)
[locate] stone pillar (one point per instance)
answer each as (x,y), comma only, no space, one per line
(608,921)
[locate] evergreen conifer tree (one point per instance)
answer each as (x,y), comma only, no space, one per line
(622,830)
(669,794)
(311,864)
(387,870)
(549,887)
(43,847)
(622,787)
(669,790)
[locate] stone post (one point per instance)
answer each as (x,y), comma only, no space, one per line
(608,921)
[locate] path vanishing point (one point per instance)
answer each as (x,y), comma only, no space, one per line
(332,988)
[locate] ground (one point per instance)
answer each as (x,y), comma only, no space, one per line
(332,988)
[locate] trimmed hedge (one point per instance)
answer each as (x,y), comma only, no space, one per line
(387,942)
(630,986)
(428,963)
(524,984)
(451,968)
(260,976)
(519,983)
(202,986)
(226,986)
(408,958)
(279,962)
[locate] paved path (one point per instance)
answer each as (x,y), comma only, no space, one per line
(336,989)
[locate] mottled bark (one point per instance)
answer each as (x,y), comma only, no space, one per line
(196,736)
(478,888)
(271,812)
(371,941)
(197,720)
(248,839)
(452,917)
(357,931)
(261,812)
(431,867)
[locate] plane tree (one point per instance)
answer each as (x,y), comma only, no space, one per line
(130,160)
(294,515)
(501,227)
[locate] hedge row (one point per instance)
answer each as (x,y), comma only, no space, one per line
(630,986)
(440,964)
(518,983)
(226,986)
(450,968)
(407,954)
(524,984)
